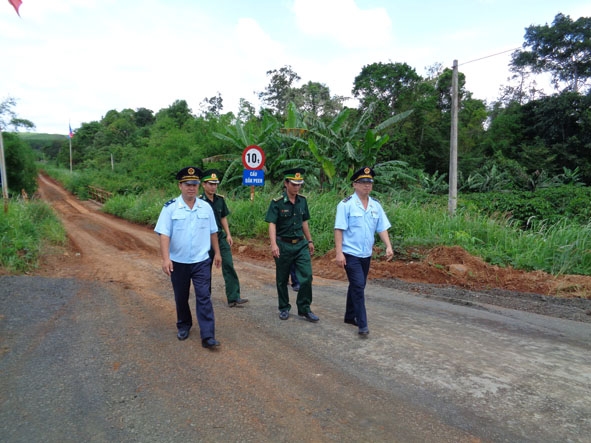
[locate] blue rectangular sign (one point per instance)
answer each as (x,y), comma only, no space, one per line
(253,177)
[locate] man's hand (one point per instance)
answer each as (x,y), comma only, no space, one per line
(340,260)
(167,267)
(389,253)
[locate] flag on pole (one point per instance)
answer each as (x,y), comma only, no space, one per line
(71,132)
(16,4)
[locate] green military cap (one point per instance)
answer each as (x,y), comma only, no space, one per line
(210,176)
(296,176)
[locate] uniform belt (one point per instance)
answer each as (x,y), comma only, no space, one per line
(292,240)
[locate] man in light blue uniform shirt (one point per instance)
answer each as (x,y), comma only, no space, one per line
(188,230)
(358,218)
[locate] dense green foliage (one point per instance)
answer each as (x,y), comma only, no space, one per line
(523,161)
(21,170)
(26,229)
(524,208)
(558,247)
(561,49)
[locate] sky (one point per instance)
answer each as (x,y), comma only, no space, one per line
(68,62)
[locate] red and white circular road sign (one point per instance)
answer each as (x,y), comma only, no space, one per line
(253,157)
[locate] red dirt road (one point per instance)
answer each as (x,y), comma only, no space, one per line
(89,353)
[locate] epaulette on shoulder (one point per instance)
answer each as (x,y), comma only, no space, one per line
(346,199)
(220,196)
(169,202)
(303,196)
(278,198)
(377,200)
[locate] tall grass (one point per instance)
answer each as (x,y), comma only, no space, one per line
(563,247)
(25,230)
(560,248)
(143,208)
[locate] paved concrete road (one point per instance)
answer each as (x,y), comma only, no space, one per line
(83,361)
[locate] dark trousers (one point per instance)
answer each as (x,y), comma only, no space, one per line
(293,276)
(299,255)
(357,270)
(231,281)
(181,278)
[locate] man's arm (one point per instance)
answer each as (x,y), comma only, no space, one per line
(308,236)
(215,245)
(273,239)
(226,228)
(338,247)
(165,254)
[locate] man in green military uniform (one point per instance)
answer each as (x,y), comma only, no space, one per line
(210,181)
(291,242)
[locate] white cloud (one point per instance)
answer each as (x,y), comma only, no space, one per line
(78,59)
(344,22)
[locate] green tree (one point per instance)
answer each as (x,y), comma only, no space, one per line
(562,124)
(20,165)
(144,117)
(314,98)
(177,115)
(389,85)
(563,50)
(281,90)
(346,143)
(9,118)
(212,105)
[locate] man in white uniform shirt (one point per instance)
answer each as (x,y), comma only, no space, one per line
(188,230)
(358,218)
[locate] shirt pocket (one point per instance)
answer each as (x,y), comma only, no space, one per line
(285,213)
(178,220)
(356,219)
(202,220)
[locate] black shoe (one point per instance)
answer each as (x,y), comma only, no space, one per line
(283,315)
(182,334)
(363,331)
(239,301)
(310,316)
(210,343)
(351,322)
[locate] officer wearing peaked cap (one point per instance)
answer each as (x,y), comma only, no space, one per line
(189,175)
(210,180)
(358,218)
(187,231)
(291,242)
(363,175)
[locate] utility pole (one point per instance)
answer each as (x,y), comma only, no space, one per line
(3,177)
(70,139)
(453,144)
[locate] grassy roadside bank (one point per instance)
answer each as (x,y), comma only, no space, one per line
(556,248)
(26,228)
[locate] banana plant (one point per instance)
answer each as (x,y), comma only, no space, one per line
(342,145)
(239,136)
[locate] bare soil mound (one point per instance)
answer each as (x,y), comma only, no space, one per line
(447,266)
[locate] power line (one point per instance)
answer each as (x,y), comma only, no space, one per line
(489,56)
